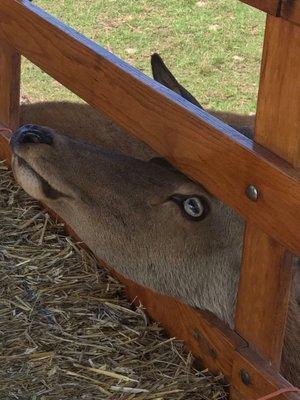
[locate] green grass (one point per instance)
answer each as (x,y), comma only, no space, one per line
(213,47)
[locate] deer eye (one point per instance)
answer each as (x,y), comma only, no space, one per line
(194,207)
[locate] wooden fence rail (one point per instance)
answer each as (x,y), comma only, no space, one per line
(287,9)
(208,151)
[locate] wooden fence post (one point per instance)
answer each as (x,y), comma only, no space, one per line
(266,272)
(9,86)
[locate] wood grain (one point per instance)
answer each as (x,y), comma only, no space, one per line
(263,294)
(10,85)
(5,153)
(278,120)
(266,273)
(207,150)
(290,9)
(247,360)
(269,6)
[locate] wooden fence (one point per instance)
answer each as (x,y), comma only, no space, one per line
(208,151)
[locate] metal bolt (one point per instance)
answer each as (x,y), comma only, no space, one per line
(213,353)
(204,344)
(196,334)
(245,377)
(252,193)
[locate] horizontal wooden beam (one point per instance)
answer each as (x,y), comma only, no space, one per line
(290,9)
(203,147)
(269,6)
(287,9)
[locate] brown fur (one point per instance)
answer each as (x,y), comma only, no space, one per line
(119,206)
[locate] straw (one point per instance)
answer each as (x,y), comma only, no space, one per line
(66,329)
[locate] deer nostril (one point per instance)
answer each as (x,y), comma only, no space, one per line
(31,137)
(34,134)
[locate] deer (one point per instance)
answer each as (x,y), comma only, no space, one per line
(137,212)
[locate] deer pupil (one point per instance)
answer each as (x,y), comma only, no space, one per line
(193,207)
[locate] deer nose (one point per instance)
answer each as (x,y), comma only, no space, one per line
(32,134)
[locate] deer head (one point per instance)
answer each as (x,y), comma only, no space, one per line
(146,219)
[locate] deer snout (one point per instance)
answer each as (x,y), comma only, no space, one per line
(32,134)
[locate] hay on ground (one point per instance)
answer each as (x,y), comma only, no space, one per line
(66,330)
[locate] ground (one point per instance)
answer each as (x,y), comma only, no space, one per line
(213,47)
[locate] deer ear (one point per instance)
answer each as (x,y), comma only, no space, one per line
(162,75)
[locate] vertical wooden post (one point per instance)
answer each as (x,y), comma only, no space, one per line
(278,113)
(9,86)
(266,272)
(263,294)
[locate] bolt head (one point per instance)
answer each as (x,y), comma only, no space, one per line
(252,193)
(245,377)
(196,334)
